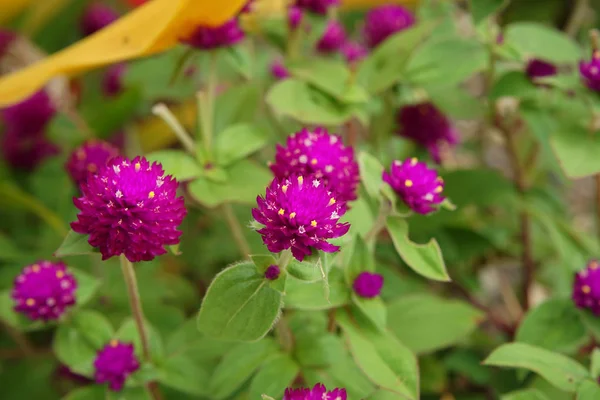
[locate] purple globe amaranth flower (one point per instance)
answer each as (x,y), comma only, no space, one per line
(6,39)
(31,115)
(26,151)
(333,38)
(418,186)
(322,155)
(89,158)
(131,208)
(96,17)
(278,70)
(208,38)
(295,16)
(114,363)
(44,290)
(539,68)
(317,6)
(318,392)
(384,21)
(590,71)
(368,285)
(272,272)
(586,288)
(112,82)
(353,51)
(299,214)
(426,125)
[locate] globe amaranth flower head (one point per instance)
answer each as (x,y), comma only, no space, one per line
(278,70)
(294,17)
(586,288)
(44,290)
(384,21)
(112,82)
(418,186)
(539,68)
(353,51)
(427,126)
(114,363)
(131,208)
(301,214)
(96,17)
(317,6)
(89,158)
(208,38)
(333,38)
(368,285)
(590,71)
(322,155)
(318,392)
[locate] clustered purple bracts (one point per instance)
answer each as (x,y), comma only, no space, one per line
(384,21)
(208,38)
(114,363)
(301,214)
(317,6)
(295,16)
(353,51)
(586,288)
(112,82)
(418,186)
(539,69)
(89,158)
(590,71)
(272,272)
(368,285)
(44,290)
(278,70)
(333,38)
(130,208)
(318,392)
(96,17)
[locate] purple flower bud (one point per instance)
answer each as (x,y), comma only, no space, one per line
(368,285)
(96,17)
(279,71)
(44,290)
(427,126)
(89,158)
(586,288)
(112,84)
(317,6)
(590,71)
(418,186)
(333,38)
(500,39)
(272,272)
(300,214)
(539,69)
(208,38)
(318,392)
(384,21)
(131,208)
(322,155)
(354,51)
(114,363)
(6,39)
(295,16)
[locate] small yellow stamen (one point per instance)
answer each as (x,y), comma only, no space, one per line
(438,189)
(413,161)
(137,166)
(292,215)
(151,195)
(281,211)
(313,223)
(314,161)
(284,188)
(114,343)
(300,180)
(586,289)
(30,302)
(408,183)
(35,268)
(331,201)
(60,274)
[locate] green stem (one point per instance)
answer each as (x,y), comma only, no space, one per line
(284,335)
(20,339)
(379,224)
(206,105)
(167,116)
(236,230)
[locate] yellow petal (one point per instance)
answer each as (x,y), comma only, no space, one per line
(149,29)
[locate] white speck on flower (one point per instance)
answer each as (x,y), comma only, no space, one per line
(316,183)
(118,194)
(303,159)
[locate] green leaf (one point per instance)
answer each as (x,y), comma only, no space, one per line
(311,296)
(238,141)
(87,286)
(128,332)
(239,58)
(482,9)
(274,377)
(105,117)
(588,390)
(359,259)
(595,366)
(535,40)
(435,323)
(95,392)
(8,250)
(263,261)
(371,172)
(455,102)
(525,394)
(238,365)
(374,309)
(424,259)
(553,325)
(304,271)
(513,84)
(74,244)
(185,374)
(576,149)
(77,341)
(480,187)
(560,371)
(239,305)
(232,106)
(181,165)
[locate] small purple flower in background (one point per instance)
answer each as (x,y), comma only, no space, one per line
(96,17)
(322,155)
(427,126)
(131,208)
(278,70)
(89,158)
(272,272)
(114,363)
(112,82)
(317,6)
(333,38)
(44,290)
(586,288)
(318,392)
(590,71)
(368,285)
(208,38)
(295,16)
(300,214)
(539,69)
(353,51)
(418,186)
(6,39)
(384,21)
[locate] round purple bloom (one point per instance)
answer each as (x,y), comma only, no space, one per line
(590,71)
(114,363)
(131,208)
(426,125)
(295,16)
(44,290)
(31,115)
(539,69)
(26,151)
(6,38)
(333,38)
(322,155)
(96,17)
(368,285)
(112,82)
(318,392)
(418,186)
(384,21)
(278,70)
(272,272)
(586,288)
(300,215)
(317,6)
(208,38)
(353,51)
(89,158)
